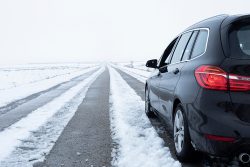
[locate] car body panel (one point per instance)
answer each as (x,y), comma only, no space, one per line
(153,87)
(167,87)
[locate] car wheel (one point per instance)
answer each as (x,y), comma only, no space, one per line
(183,147)
(148,108)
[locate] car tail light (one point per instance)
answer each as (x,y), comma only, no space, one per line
(239,83)
(212,77)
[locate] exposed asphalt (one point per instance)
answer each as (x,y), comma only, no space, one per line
(86,140)
(16,110)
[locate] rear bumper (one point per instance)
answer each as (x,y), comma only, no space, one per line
(219,148)
(212,114)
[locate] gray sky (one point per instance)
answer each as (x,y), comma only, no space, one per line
(98,30)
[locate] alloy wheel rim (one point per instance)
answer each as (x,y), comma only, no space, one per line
(179,131)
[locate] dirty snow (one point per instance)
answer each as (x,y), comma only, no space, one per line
(136,143)
(31,138)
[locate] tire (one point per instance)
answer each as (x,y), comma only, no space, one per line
(183,147)
(148,108)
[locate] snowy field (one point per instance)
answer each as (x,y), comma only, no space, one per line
(18,75)
(20,81)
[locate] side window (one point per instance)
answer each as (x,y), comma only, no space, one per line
(189,47)
(200,44)
(167,53)
(180,47)
(167,61)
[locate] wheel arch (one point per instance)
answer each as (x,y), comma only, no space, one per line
(175,104)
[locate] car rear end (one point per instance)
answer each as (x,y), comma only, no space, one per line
(222,107)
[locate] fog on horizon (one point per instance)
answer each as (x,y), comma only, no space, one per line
(34,31)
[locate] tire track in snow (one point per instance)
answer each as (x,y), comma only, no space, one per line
(137,143)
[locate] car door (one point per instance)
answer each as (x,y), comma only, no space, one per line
(170,74)
(153,85)
(154,80)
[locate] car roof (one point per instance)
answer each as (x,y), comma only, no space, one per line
(217,21)
(209,22)
(234,18)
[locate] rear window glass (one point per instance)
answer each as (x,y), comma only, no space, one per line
(189,46)
(200,44)
(179,50)
(239,40)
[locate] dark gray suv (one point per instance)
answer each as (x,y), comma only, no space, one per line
(201,88)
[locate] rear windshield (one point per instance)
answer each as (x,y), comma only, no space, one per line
(239,40)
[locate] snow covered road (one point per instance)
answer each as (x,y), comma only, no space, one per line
(141,75)
(94,119)
(18,133)
(138,144)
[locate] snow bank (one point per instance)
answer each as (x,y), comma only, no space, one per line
(137,144)
(34,79)
(23,130)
